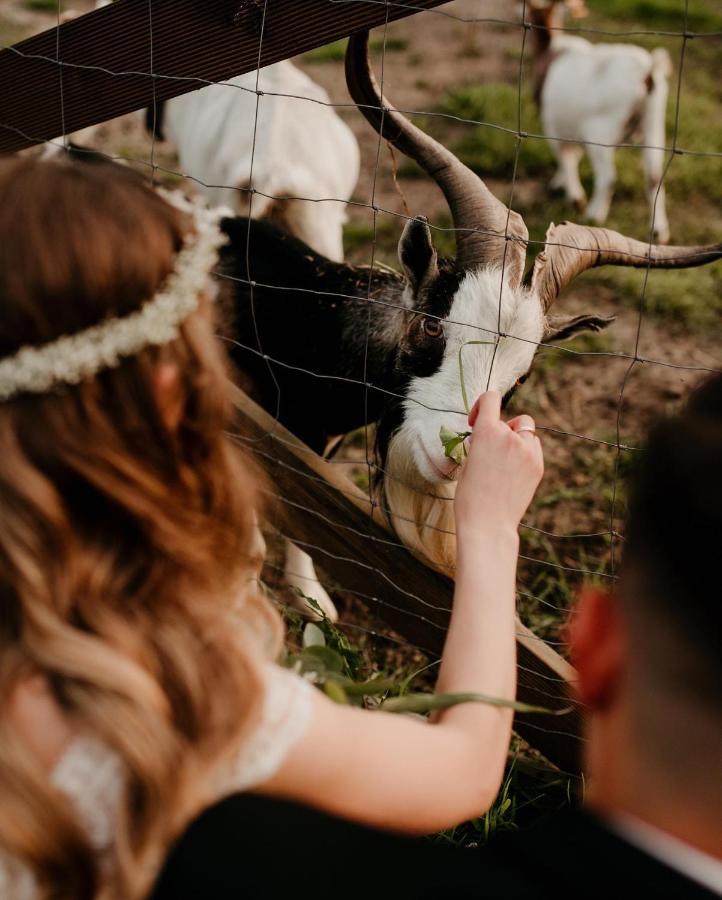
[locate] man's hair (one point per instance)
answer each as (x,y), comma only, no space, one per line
(670,580)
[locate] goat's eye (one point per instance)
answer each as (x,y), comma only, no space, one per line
(433,328)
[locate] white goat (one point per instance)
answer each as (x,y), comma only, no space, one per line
(594,96)
(286,143)
(275,131)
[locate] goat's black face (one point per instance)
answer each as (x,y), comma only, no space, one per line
(433,284)
(421,350)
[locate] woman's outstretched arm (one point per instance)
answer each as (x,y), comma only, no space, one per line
(397,771)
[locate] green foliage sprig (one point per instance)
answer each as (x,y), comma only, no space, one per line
(453,442)
(334,665)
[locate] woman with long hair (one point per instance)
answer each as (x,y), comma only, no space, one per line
(137,674)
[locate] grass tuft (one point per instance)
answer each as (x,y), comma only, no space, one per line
(490,148)
(336,51)
(41,5)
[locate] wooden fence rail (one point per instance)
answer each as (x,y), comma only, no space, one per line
(130,54)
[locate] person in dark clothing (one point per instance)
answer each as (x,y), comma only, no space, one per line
(649,660)
(257,847)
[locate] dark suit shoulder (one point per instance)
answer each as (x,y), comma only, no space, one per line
(574,855)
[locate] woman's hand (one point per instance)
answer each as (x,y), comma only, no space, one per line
(503,470)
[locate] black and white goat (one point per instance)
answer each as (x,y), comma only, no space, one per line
(592,97)
(331,346)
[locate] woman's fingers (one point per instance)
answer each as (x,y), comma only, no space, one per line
(524,426)
(486,409)
(473,413)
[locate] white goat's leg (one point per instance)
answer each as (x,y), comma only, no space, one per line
(605,174)
(658,211)
(569,158)
(558,181)
(301,575)
(654,141)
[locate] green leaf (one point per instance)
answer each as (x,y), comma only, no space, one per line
(335,639)
(336,692)
(311,603)
(423,703)
(313,636)
(317,656)
(369,688)
(453,443)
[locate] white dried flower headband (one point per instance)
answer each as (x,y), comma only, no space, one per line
(72,358)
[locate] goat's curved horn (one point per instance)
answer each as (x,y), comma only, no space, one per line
(572,249)
(482,222)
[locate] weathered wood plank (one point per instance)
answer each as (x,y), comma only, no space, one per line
(324,512)
(106,57)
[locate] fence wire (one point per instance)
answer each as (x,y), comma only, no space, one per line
(543,602)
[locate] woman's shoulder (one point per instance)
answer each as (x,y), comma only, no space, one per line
(284,718)
(91,775)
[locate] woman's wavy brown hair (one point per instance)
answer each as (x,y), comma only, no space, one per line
(124,541)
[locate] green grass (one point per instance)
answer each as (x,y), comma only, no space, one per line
(359,236)
(690,297)
(655,15)
(389,44)
(329,53)
(41,5)
(491,148)
(336,51)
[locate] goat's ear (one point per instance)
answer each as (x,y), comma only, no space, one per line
(417,254)
(561,328)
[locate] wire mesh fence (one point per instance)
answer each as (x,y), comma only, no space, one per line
(466,73)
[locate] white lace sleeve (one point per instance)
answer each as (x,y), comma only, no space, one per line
(92,777)
(285,715)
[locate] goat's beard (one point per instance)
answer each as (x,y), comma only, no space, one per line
(421,512)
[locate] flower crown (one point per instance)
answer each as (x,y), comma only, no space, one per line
(71,358)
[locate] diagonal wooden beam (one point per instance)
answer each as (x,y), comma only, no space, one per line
(335,522)
(125,56)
